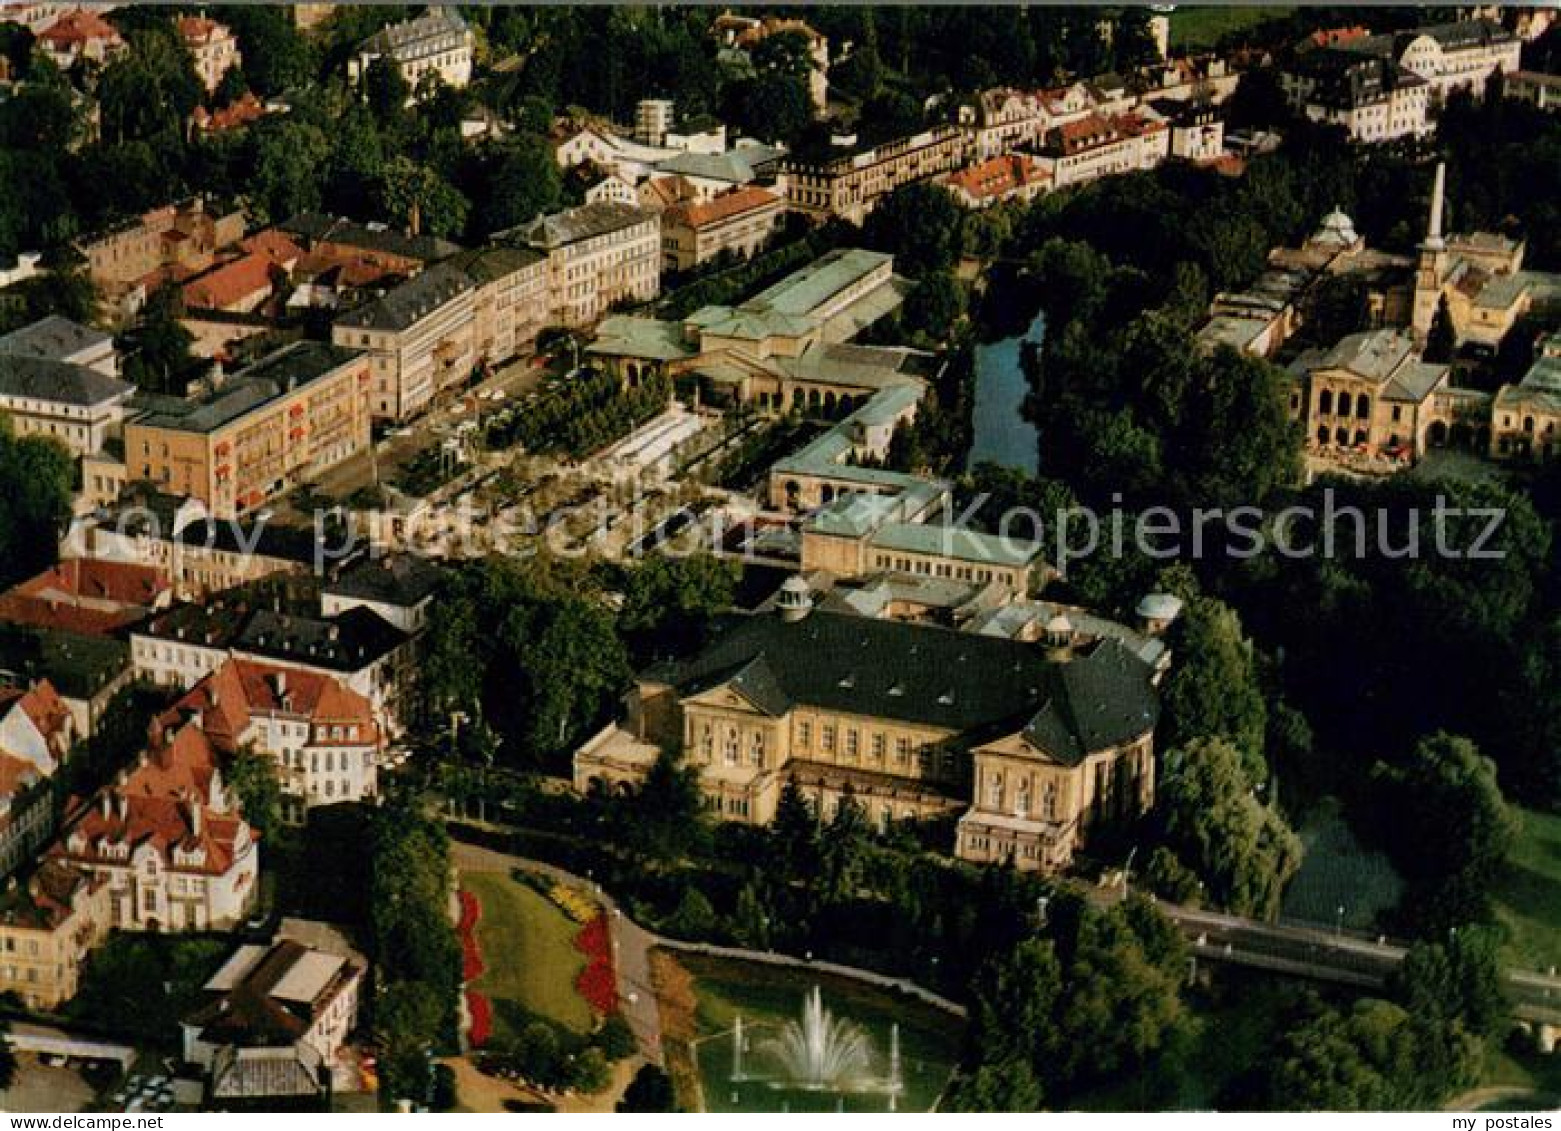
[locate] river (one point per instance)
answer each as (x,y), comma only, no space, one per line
(1002,435)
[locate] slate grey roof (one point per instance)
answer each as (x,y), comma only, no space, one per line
(54,337)
(43,379)
(318,227)
(979,687)
(575,224)
(413,300)
(346,643)
(270,377)
(79,666)
(403,580)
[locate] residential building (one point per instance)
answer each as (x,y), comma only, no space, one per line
(740,222)
(85,671)
(847,184)
(598,255)
(244,110)
(273,425)
(92,596)
(201,556)
(37,733)
(80,407)
(1010,176)
(273,1020)
(184,235)
(437,43)
(653,120)
(371,250)
(48,927)
(510,302)
(1034,750)
(80,34)
(322,735)
(399,587)
(169,841)
(239,286)
(1098,145)
(1004,119)
(357,648)
(418,340)
(214,47)
(59,339)
(1372,97)
(1448,56)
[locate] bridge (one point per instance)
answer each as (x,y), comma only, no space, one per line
(1338,956)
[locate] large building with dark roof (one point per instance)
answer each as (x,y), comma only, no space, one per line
(60,379)
(1031,746)
(278,423)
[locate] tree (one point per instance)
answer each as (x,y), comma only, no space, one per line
(934,305)
(407,1020)
(418,199)
(386,92)
(1447,785)
(888,114)
(288,159)
(920,225)
(1459,980)
(665,819)
(1213,692)
(1442,340)
(1002,1087)
(774,107)
(1242,849)
(522,182)
(38,475)
(254,779)
(649,1091)
(158,356)
(668,602)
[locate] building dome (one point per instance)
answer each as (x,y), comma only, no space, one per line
(1160,608)
(1336,230)
(1059,625)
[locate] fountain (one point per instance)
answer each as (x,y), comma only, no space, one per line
(820,1051)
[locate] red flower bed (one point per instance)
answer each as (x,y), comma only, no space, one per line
(598,986)
(471,911)
(593,939)
(597,983)
(471,957)
(482,1018)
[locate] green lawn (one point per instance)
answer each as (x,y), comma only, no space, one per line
(528,948)
(1528,896)
(1201,28)
(1338,871)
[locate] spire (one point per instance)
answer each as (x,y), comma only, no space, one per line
(1433,239)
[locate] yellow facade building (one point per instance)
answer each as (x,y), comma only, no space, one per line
(270,427)
(1032,747)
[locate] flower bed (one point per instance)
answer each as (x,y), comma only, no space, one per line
(597,983)
(481,1013)
(471,956)
(579,907)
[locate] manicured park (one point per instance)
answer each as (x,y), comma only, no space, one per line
(529,956)
(1528,895)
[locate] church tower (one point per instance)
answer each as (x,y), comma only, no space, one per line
(1431,270)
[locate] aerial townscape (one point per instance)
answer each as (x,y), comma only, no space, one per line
(825,559)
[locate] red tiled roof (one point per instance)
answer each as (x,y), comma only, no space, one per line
(998,176)
(196,29)
(85,595)
(1095,130)
(79,27)
(44,708)
(723,207)
(16,774)
(228,699)
(275,245)
(236,281)
(166,823)
(241,112)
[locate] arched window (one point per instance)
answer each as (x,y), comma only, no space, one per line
(1344,404)
(1363,407)
(1325,401)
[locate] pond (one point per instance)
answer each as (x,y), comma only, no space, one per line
(1002,435)
(774,1039)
